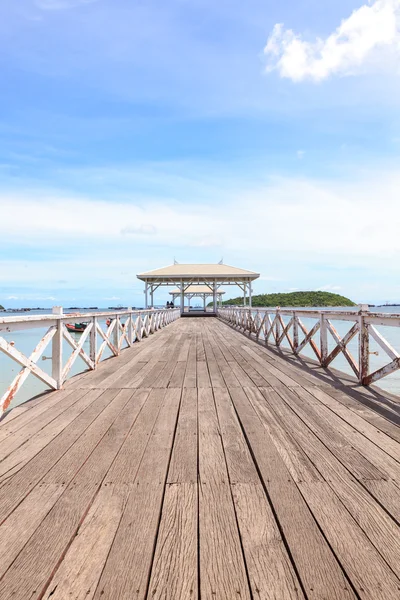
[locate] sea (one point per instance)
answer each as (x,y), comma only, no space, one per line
(26,341)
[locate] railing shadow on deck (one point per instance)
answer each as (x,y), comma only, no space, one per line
(271,327)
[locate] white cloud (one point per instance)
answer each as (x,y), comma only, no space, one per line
(300,154)
(61,4)
(143,229)
(302,220)
(360,39)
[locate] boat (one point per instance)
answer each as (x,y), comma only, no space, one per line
(110,320)
(76,327)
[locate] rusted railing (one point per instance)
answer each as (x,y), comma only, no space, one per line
(285,326)
(120,330)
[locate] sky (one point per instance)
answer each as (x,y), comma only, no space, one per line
(136,132)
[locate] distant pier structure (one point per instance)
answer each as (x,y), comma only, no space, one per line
(205,278)
(198,291)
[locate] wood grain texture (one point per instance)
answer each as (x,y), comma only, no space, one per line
(200,464)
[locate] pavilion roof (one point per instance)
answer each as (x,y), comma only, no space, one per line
(206,271)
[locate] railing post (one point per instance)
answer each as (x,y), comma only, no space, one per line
(363,337)
(115,341)
(57,349)
(295,332)
(93,342)
(139,328)
(130,328)
(277,326)
(323,334)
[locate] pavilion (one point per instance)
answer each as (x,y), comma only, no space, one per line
(183,276)
(197,291)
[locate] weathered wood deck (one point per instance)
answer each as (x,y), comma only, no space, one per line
(199,464)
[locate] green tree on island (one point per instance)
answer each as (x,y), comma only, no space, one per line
(295,299)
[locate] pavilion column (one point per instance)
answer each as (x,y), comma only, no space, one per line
(214,298)
(204,302)
(244,293)
(250,290)
(146,300)
(182,299)
(152,296)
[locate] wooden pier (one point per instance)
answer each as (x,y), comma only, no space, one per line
(200,464)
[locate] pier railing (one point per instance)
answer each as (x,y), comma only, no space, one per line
(103,330)
(285,327)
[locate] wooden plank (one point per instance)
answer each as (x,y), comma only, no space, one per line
(174,573)
(165,376)
(340,445)
(215,374)
(37,423)
(227,372)
(270,570)
(79,572)
(243,360)
(222,567)
(152,375)
(270,370)
(373,520)
(191,371)
(200,352)
(183,467)
(368,411)
(375,435)
(15,490)
(316,565)
(382,462)
(29,579)
(177,542)
(379,484)
(24,415)
(17,459)
(178,375)
(22,523)
(126,572)
(203,376)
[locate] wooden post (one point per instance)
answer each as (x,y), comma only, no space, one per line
(204,302)
(146,299)
(57,350)
(215,297)
(244,294)
(295,332)
(115,341)
(182,299)
(250,290)
(363,344)
(277,326)
(93,342)
(323,339)
(130,329)
(151,296)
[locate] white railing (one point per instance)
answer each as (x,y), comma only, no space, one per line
(285,326)
(123,329)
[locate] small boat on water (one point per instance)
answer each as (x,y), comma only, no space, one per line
(76,327)
(110,320)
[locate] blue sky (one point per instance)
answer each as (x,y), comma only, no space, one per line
(134,132)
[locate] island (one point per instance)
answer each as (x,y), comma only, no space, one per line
(294,299)
(2,307)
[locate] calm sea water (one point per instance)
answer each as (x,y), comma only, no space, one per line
(26,340)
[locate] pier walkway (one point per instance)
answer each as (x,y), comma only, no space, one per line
(200,464)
